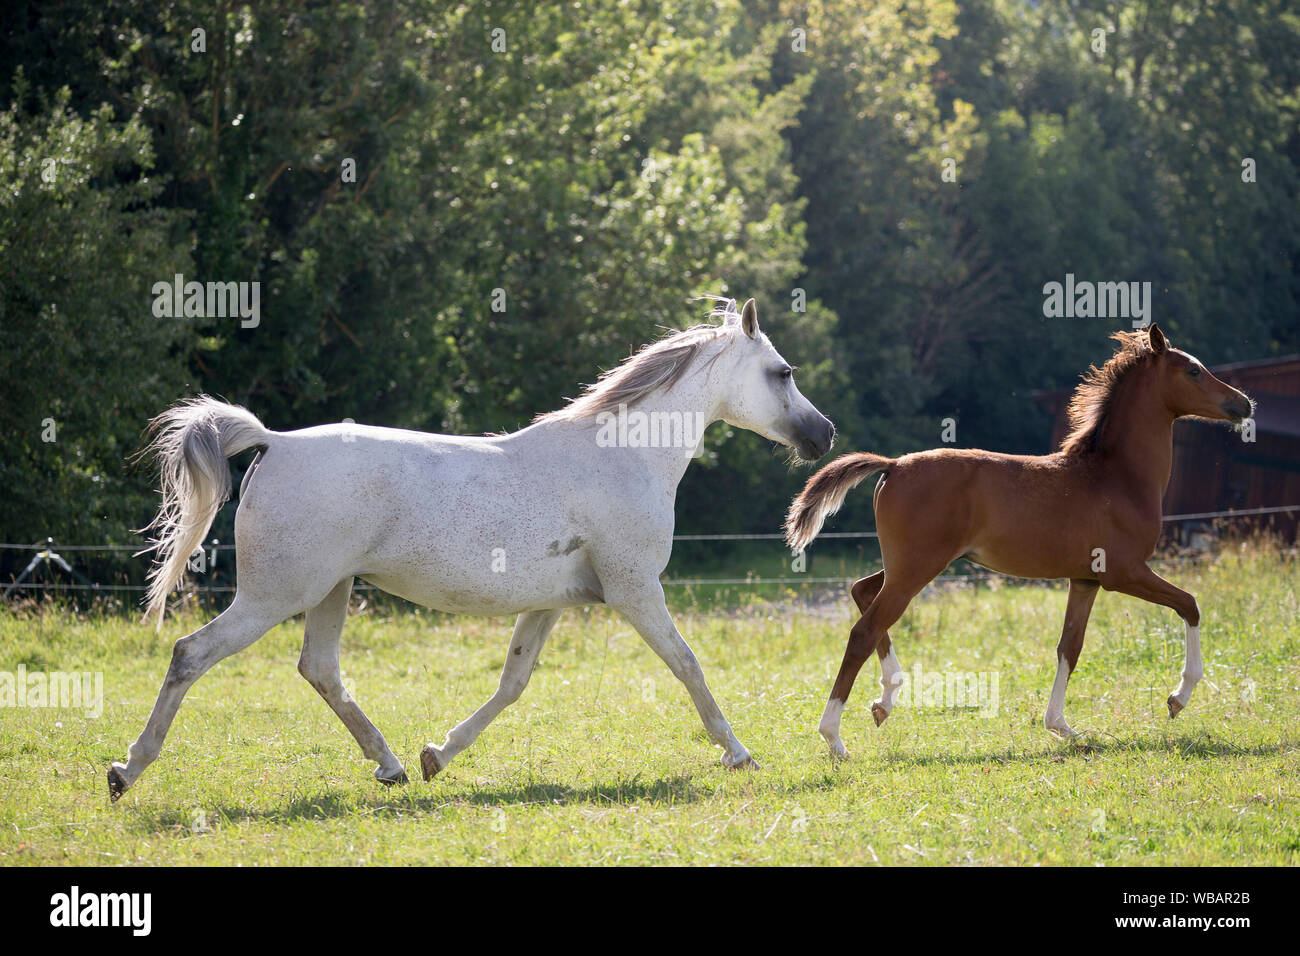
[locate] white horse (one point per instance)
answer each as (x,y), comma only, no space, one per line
(575,509)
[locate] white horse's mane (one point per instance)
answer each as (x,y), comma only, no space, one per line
(657,365)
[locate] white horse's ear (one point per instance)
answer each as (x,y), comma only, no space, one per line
(749,318)
(730,316)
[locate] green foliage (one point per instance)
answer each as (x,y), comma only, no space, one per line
(595,166)
(83,361)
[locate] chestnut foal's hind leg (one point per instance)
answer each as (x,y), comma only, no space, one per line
(864,591)
(1146,584)
(895,594)
(1077,608)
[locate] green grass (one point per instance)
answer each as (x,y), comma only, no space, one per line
(604,761)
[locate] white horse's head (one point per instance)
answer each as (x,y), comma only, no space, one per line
(759,392)
(729,370)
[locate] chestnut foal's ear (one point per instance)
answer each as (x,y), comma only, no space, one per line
(749,318)
(1159,344)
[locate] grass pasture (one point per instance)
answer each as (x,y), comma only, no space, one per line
(603,760)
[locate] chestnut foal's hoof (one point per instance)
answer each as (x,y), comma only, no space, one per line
(400,778)
(1174,706)
(879,713)
(429,762)
(746,762)
(116,783)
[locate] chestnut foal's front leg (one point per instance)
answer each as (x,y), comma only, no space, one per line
(1078,607)
(1144,583)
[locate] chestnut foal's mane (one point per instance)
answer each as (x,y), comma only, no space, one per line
(1094,399)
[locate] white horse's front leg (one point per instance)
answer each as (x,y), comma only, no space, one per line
(648,613)
(531,630)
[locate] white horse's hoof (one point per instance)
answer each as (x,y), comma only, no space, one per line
(1174,705)
(391,778)
(1063,730)
(742,761)
(117,783)
(431,761)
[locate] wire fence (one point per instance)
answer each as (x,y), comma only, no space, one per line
(49,551)
(1200,515)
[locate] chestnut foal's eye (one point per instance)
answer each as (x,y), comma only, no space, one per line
(1194,371)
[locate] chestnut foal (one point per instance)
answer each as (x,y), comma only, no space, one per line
(1090,513)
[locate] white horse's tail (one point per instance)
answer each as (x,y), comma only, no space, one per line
(191,442)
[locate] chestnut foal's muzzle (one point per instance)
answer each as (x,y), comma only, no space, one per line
(1238,407)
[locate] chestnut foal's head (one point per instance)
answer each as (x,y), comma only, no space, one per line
(1189,388)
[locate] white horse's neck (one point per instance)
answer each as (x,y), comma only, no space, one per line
(697,402)
(663,429)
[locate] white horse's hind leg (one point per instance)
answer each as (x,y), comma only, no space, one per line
(231,631)
(649,615)
(319,664)
(531,631)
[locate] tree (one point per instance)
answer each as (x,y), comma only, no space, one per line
(68,299)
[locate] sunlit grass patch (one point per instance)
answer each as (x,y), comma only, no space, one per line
(604,760)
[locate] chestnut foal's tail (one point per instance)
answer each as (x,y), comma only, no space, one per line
(825,493)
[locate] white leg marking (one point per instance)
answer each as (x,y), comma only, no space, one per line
(1192,668)
(1055,717)
(891,681)
(830,727)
